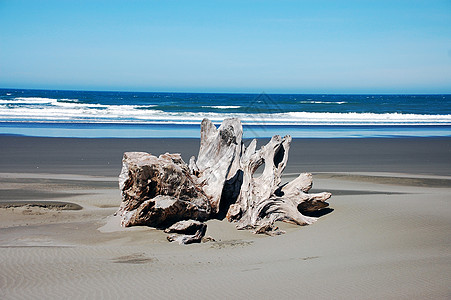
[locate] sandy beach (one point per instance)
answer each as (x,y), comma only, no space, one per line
(386,236)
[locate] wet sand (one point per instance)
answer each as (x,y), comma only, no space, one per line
(385,237)
(103,156)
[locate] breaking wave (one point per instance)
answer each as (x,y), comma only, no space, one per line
(70,110)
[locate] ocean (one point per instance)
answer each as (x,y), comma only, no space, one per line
(58,113)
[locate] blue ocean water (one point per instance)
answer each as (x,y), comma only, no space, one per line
(146,114)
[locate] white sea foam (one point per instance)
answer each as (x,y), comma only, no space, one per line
(144,106)
(38,109)
(322,102)
(70,103)
(69,100)
(33,100)
(221,106)
(97,113)
(39,100)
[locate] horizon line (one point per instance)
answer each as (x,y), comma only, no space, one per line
(249,93)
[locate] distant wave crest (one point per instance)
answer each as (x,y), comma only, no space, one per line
(70,110)
(222,106)
(322,102)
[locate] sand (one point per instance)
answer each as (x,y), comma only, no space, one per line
(387,235)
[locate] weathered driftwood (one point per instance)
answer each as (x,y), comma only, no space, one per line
(164,191)
(186,232)
(159,191)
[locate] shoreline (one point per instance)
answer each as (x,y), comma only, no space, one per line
(191,130)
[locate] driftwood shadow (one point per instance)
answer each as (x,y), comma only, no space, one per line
(318,213)
(230,194)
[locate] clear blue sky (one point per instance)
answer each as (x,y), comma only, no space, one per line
(317,46)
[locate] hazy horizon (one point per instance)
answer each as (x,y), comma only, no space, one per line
(219,92)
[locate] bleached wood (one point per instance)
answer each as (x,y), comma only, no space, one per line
(160,191)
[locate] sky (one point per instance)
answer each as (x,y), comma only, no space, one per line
(317,46)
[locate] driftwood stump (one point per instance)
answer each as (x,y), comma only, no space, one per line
(166,193)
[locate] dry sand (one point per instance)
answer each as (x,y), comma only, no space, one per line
(388,236)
